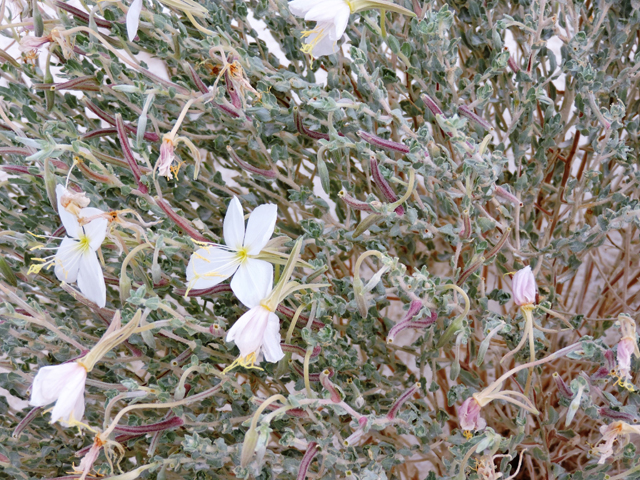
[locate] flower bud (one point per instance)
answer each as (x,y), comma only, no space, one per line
(523,287)
(469,415)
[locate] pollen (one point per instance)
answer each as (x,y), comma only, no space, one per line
(84,243)
(242,254)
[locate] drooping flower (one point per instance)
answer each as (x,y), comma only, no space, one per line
(252,277)
(63,384)
(133,19)
(76,259)
(610,434)
(627,345)
(523,287)
(469,415)
(166,158)
(332,17)
(257,332)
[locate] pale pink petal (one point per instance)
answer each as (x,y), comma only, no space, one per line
(91,279)
(260,227)
(209,266)
(252,282)
(233,227)
(523,287)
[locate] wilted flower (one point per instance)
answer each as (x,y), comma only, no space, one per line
(523,287)
(469,415)
(212,264)
(258,331)
(610,434)
(63,384)
(627,345)
(166,158)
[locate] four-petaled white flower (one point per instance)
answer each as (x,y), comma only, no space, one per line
(523,287)
(63,384)
(213,264)
(133,19)
(258,330)
(610,434)
(76,259)
(332,17)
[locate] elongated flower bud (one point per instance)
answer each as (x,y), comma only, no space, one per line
(431,105)
(616,415)
(384,186)
(354,202)
(501,192)
(304,130)
(250,168)
(470,114)
(312,451)
(128,154)
(382,143)
(563,388)
(401,400)
(326,383)
(179,221)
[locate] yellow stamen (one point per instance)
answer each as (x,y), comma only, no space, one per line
(308,47)
(242,254)
(247,362)
(467,434)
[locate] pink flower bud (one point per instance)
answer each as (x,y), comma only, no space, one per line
(626,347)
(469,415)
(523,287)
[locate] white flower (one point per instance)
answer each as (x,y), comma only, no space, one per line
(332,17)
(213,264)
(76,259)
(523,287)
(610,434)
(258,331)
(63,384)
(133,19)
(627,346)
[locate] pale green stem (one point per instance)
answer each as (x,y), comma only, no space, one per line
(195,398)
(183,114)
(307,383)
(180,390)
(405,197)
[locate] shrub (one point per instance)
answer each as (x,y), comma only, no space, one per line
(454,262)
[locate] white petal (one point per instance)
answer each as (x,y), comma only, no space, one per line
(328,44)
(341,22)
(68,219)
(210,266)
(233,227)
(50,382)
(96,229)
(133,19)
(71,393)
(68,260)
(301,7)
(271,342)
(249,332)
(91,279)
(252,282)
(327,11)
(260,227)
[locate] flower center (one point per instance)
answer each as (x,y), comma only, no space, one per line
(84,244)
(242,254)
